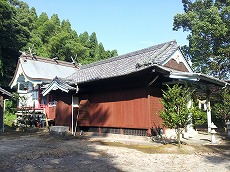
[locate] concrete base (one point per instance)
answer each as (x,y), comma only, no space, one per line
(170,133)
(59,129)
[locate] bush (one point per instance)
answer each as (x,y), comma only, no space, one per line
(9,119)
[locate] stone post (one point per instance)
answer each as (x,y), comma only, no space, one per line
(213,132)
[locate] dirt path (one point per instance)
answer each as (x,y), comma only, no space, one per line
(45,152)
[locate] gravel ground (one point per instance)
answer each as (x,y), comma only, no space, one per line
(46,152)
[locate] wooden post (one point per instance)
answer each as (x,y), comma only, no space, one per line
(209,115)
(72,117)
(47,124)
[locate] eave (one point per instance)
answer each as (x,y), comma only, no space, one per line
(197,77)
(4,92)
(57,84)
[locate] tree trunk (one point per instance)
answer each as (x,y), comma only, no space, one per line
(178,132)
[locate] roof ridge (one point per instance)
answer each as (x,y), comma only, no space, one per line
(165,49)
(141,51)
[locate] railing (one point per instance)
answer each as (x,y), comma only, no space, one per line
(42,106)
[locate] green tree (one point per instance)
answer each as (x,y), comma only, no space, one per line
(21,29)
(208,24)
(175,113)
(66,26)
(13,36)
(221,108)
(93,46)
(84,39)
(41,20)
(113,53)
(101,51)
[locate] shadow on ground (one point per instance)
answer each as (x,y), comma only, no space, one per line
(41,151)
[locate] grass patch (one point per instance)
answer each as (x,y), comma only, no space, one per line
(164,149)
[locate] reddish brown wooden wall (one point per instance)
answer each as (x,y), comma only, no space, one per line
(130,109)
(63,115)
(121,109)
(137,109)
(174,65)
(51,112)
(155,107)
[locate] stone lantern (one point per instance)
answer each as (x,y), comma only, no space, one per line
(213,132)
(228,128)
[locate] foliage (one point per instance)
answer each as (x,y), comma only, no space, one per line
(198,115)
(52,38)
(11,105)
(10,110)
(208,24)
(222,106)
(13,36)
(176,114)
(21,28)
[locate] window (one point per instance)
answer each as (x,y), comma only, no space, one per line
(22,88)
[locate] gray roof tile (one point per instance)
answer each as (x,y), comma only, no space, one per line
(124,64)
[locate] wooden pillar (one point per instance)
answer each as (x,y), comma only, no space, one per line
(72,118)
(190,129)
(99,130)
(209,115)
(39,96)
(121,131)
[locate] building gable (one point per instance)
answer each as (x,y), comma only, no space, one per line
(177,62)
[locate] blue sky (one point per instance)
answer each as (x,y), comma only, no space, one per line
(125,25)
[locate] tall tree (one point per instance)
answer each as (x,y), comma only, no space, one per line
(41,20)
(101,51)
(208,24)
(84,39)
(66,26)
(21,28)
(13,36)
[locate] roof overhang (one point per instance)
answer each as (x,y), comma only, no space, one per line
(197,77)
(58,84)
(5,93)
(202,84)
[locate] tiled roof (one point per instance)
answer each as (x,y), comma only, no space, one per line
(153,57)
(45,68)
(37,69)
(125,64)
